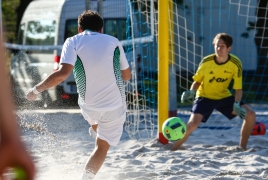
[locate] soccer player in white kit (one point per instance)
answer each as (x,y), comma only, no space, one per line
(99,65)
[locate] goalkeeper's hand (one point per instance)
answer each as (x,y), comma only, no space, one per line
(241,112)
(189,94)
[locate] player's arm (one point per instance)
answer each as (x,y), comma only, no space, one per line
(124,65)
(237,86)
(190,94)
(238,95)
(126,74)
(195,85)
(198,77)
(52,80)
(55,78)
(241,112)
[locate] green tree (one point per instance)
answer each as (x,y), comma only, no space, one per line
(12,11)
(20,10)
(9,19)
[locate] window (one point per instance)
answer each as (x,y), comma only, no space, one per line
(41,32)
(71,28)
(21,34)
(113,27)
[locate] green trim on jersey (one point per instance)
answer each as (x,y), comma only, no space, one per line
(117,73)
(80,78)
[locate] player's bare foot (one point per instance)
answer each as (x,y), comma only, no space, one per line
(179,148)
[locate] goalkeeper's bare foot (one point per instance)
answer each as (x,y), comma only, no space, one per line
(243,147)
(179,148)
(170,147)
(177,145)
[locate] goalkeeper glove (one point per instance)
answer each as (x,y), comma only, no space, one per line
(241,112)
(189,94)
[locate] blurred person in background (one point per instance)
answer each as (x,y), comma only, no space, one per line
(13,153)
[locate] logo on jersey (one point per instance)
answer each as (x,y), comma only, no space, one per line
(219,80)
(211,72)
(227,71)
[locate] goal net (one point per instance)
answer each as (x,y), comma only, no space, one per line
(141,49)
(192,27)
(36,57)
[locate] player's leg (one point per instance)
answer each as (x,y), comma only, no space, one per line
(192,124)
(94,127)
(247,126)
(92,118)
(226,108)
(109,131)
(99,153)
(93,130)
(201,111)
(97,157)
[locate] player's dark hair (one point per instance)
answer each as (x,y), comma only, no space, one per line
(90,20)
(228,40)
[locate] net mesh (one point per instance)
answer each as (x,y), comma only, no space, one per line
(141,89)
(196,24)
(140,46)
(192,27)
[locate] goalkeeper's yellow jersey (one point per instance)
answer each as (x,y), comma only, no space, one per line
(215,78)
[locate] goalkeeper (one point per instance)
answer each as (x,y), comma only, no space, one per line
(210,90)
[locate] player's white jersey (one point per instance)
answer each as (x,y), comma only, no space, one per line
(97,59)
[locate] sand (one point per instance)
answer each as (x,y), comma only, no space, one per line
(60,144)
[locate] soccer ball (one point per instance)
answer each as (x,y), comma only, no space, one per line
(20,174)
(259,129)
(174,129)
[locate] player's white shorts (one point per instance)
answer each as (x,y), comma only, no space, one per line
(110,123)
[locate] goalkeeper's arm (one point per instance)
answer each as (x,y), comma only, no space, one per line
(238,95)
(241,112)
(195,85)
(190,94)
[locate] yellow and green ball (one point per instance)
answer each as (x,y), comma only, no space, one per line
(20,174)
(174,129)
